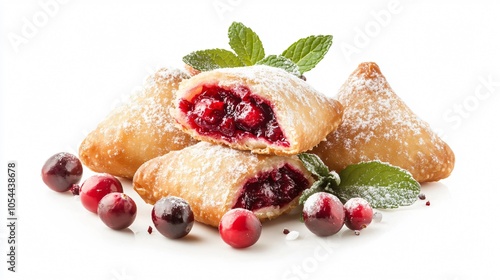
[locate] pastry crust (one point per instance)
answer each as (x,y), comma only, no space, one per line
(305,115)
(137,131)
(210,178)
(378,125)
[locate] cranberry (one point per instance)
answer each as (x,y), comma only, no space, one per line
(428,203)
(61,171)
(323,214)
(150,230)
(249,116)
(229,115)
(240,228)
(96,187)
(358,213)
(75,189)
(172,217)
(277,187)
(117,210)
(421,196)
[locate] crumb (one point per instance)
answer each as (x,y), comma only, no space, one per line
(421,196)
(292,235)
(286,231)
(357,232)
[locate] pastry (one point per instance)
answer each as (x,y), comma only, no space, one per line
(377,125)
(214,179)
(137,131)
(259,108)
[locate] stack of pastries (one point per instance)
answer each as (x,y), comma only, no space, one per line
(228,138)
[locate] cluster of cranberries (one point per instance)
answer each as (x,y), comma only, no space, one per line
(101,193)
(324,214)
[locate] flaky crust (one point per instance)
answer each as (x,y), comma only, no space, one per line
(378,125)
(137,131)
(210,178)
(305,115)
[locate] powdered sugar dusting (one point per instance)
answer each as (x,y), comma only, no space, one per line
(378,125)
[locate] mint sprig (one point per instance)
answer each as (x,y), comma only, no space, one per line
(308,52)
(206,60)
(247,49)
(245,43)
(381,184)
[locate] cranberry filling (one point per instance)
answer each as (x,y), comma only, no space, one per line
(274,188)
(222,113)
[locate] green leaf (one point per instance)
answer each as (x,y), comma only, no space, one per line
(206,60)
(314,164)
(282,62)
(317,186)
(245,43)
(308,52)
(381,184)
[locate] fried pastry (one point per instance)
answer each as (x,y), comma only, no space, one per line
(378,125)
(215,178)
(137,131)
(259,108)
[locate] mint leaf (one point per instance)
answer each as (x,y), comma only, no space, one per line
(308,52)
(210,59)
(314,164)
(381,184)
(317,186)
(245,43)
(282,62)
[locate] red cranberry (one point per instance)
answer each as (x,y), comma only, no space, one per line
(117,210)
(358,213)
(240,228)
(172,217)
(96,187)
(249,116)
(323,214)
(150,230)
(428,203)
(61,171)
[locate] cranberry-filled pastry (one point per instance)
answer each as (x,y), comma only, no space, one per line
(214,179)
(259,108)
(378,125)
(137,131)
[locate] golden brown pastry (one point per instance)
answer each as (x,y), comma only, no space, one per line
(214,179)
(259,108)
(137,131)
(377,125)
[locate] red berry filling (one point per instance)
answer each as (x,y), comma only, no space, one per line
(274,188)
(231,116)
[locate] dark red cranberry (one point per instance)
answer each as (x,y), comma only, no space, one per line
(323,214)
(358,213)
(61,171)
(150,230)
(421,196)
(117,210)
(248,116)
(277,187)
(75,189)
(96,187)
(286,231)
(240,228)
(172,217)
(231,115)
(428,203)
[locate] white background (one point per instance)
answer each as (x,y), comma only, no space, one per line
(65,65)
